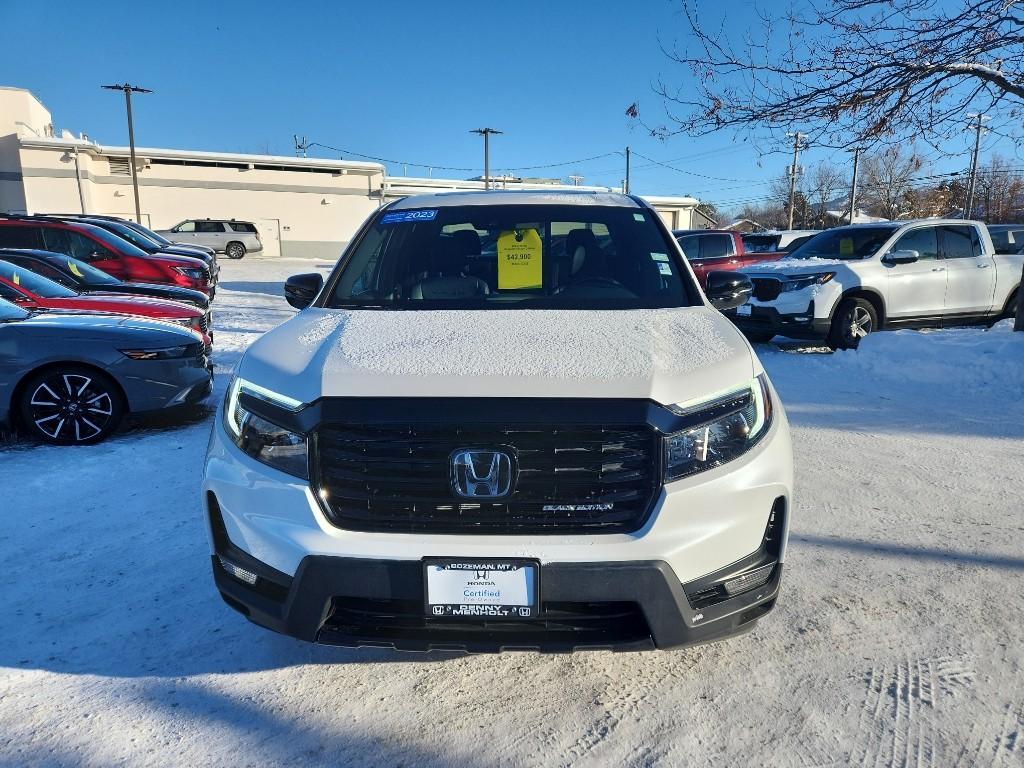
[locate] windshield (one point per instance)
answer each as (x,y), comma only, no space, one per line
(9,312)
(514,257)
(133,237)
(87,273)
(844,243)
(33,283)
(118,244)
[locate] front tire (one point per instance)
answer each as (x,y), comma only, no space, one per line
(235,251)
(854,319)
(70,405)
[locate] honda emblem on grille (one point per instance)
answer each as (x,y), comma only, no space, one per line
(481,473)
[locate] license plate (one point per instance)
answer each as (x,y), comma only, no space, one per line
(743,309)
(499,589)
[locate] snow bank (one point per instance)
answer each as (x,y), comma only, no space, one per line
(956,358)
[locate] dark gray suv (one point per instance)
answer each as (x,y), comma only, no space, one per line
(70,378)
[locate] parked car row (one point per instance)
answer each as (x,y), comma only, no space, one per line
(99,317)
(844,283)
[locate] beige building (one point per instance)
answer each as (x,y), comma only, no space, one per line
(303,207)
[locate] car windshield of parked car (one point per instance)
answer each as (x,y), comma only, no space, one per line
(87,273)
(513,256)
(844,243)
(33,283)
(132,236)
(11,312)
(115,243)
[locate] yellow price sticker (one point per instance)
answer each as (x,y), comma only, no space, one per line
(74,269)
(520,260)
(846,246)
(17,279)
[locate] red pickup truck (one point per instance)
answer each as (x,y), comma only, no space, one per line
(710,250)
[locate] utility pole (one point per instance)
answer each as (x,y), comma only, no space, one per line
(487,133)
(853,187)
(301,145)
(575,180)
(625,185)
(128,91)
(971,185)
(793,171)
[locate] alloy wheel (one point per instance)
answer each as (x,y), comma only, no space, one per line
(860,324)
(71,407)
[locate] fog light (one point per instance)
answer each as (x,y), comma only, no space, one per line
(748,581)
(239,573)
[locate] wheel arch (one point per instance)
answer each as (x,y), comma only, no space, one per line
(14,413)
(1014,293)
(868,294)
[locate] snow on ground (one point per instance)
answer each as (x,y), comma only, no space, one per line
(897,639)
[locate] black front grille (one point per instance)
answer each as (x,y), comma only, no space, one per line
(397,478)
(560,625)
(766,288)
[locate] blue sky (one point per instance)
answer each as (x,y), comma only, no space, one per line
(402,80)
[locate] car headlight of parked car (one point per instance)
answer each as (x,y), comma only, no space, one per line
(723,429)
(799,282)
(261,439)
(193,273)
(162,353)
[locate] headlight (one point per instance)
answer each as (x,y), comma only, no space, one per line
(262,439)
(193,273)
(725,428)
(799,282)
(163,353)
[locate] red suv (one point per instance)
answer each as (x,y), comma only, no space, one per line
(105,250)
(710,250)
(31,291)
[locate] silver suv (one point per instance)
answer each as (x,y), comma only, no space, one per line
(235,238)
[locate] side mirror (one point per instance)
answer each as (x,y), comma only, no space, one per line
(901,257)
(728,290)
(300,290)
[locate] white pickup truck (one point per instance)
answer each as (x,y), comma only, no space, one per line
(846,282)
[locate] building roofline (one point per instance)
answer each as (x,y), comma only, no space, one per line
(91,147)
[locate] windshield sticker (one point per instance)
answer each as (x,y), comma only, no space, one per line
(638,217)
(520,260)
(846,246)
(17,279)
(659,256)
(665,269)
(402,217)
(74,269)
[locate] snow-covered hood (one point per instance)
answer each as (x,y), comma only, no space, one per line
(785,267)
(668,355)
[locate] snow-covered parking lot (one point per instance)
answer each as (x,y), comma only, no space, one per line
(897,639)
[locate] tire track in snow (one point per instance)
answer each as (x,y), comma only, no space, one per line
(896,725)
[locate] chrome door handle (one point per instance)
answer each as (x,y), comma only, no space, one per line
(983,266)
(938,269)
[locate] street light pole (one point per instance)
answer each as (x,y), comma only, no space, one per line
(128,91)
(853,188)
(969,206)
(486,133)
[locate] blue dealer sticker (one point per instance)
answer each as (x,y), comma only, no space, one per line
(401,217)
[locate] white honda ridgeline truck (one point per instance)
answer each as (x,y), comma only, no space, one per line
(506,420)
(847,282)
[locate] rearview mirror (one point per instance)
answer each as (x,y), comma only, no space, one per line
(728,290)
(300,290)
(901,257)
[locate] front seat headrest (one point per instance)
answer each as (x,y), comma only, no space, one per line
(579,244)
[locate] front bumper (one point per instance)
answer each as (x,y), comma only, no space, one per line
(765,319)
(379,603)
